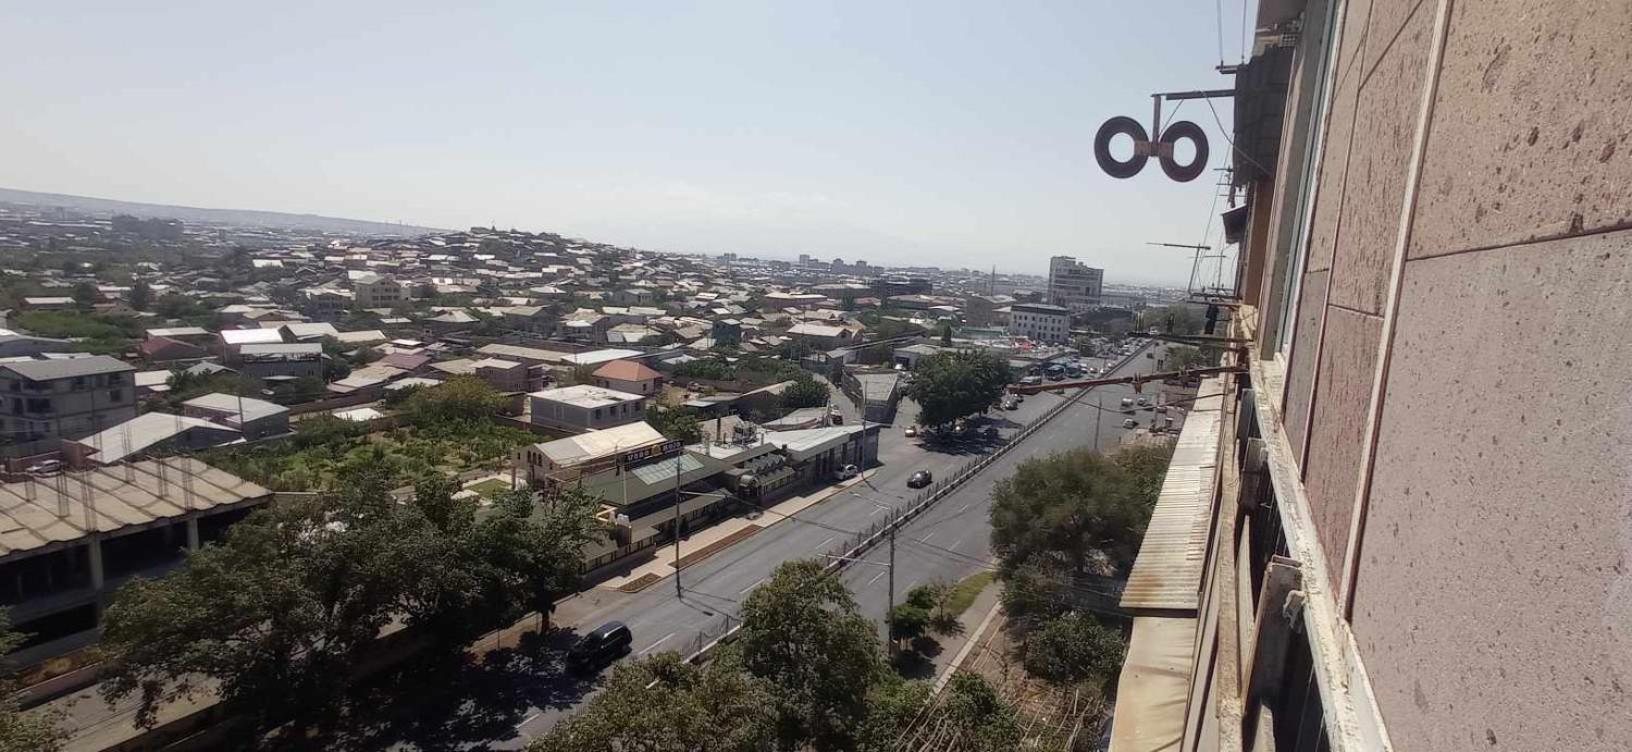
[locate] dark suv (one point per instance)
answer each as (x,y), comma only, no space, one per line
(595,650)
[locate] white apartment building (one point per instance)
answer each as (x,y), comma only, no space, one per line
(584,407)
(1073,284)
(1040,322)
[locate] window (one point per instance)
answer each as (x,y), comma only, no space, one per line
(597,413)
(116,395)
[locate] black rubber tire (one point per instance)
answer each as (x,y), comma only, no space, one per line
(1198,164)
(1102,147)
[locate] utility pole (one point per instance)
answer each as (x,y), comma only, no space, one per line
(1099,417)
(889,612)
(678,593)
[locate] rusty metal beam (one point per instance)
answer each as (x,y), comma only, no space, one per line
(1140,379)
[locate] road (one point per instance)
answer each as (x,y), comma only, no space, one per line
(716,587)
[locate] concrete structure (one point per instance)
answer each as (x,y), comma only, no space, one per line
(875,393)
(281,361)
(14,345)
(65,398)
(824,336)
(584,408)
(372,290)
(628,376)
(65,547)
(147,433)
(257,419)
(1415,532)
(1073,284)
(1040,322)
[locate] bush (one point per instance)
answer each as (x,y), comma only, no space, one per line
(1072,648)
(715,369)
(805,391)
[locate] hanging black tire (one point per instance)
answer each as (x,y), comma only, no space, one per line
(1102,147)
(1198,164)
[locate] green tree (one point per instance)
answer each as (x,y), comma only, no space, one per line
(946,335)
(86,294)
(805,391)
(952,385)
(893,705)
(802,632)
(458,400)
(19,731)
(680,424)
(141,296)
(1073,648)
(980,717)
(663,704)
(1070,508)
(279,615)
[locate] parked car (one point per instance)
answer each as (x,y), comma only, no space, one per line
(595,650)
(1031,381)
(1130,423)
(1143,401)
(991,433)
(920,479)
(911,431)
(1127,402)
(846,473)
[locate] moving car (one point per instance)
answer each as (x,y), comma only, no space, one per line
(846,473)
(1130,423)
(920,479)
(1143,401)
(600,647)
(911,431)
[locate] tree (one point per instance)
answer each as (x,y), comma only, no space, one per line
(1069,509)
(980,716)
(915,616)
(805,391)
(141,296)
(19,731)
(281,613)
(663,704)
(802,633)
(946,335)
(893,705)
(679,424)
(457,400)
(86,294)
(1072,648)
(951,385)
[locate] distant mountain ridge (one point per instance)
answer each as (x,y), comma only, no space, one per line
(241,217)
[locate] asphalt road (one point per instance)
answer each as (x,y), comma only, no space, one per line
(716,587)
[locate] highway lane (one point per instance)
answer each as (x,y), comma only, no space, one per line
(952,539)
(716,587)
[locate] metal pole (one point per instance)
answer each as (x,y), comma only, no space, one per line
(678,593)
(889,611)
(1099,417)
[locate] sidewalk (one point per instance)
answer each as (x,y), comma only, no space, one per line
(982,614)
(716,538)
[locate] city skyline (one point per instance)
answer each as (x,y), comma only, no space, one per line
(907,135)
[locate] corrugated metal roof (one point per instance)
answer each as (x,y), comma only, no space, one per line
(1167,573)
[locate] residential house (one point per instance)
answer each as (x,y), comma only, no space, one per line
(628,376)
(583,408)
(68,398)
(503,375)
(371,290)
(281,361)
(255,418)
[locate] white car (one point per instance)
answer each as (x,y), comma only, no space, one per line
(846,473)
(1130,423)
(911,431)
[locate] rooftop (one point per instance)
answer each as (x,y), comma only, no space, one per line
(253,409)
(594,445)
(35,514)
(47,370)
(626,370)
(584,395)
(143,431)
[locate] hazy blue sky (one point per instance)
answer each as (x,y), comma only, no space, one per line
(948,133)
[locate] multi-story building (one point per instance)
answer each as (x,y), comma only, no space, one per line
(1402,524)
(66,398)
(372,290)
(584,408)
(1073,284)
(1040,322)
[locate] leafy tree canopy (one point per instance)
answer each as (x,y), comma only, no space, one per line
(281,612)
(19,731)
(1075,647)
(805,391)
(663,704)
(952,385)
(680,424)
(459,399)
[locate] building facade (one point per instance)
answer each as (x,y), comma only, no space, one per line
(378,291)
(1412,528)
(70,398)
(584,408)
(1073,284)
(1040,322)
